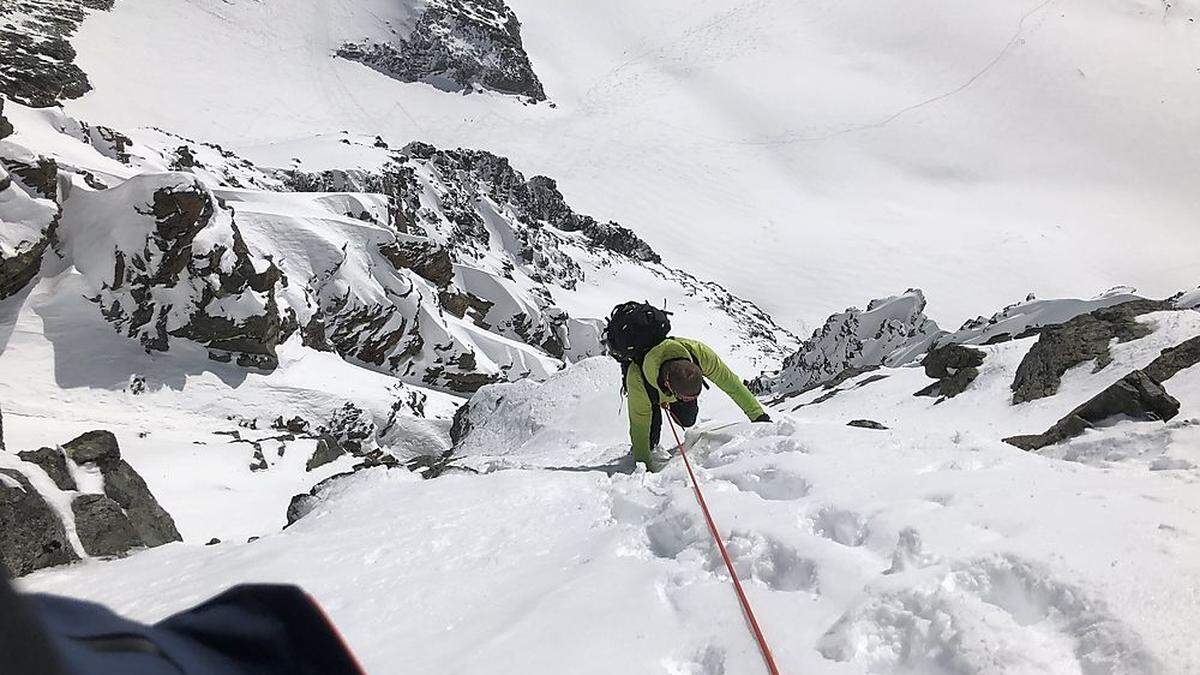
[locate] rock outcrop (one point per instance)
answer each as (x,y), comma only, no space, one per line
(168,260)
(103,528)
(54,463)
(1137,396)
(1084,338)
(31,534)
(124,486)
(458,45)
(891,331)
(954,367)
(37,63)
(1174,359)
(30,214)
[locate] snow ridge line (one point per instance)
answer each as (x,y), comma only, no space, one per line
(768,659)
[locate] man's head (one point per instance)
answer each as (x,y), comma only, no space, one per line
(683,378)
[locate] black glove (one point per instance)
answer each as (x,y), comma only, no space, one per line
(762,418)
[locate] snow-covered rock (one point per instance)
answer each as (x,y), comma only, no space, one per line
(891,331)
(37,62)
(456,45)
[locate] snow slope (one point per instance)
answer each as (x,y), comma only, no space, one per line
(805,155)
(928,548)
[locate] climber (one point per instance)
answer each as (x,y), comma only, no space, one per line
(664,371)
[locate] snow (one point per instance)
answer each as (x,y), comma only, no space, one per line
(925,547)
(806,156)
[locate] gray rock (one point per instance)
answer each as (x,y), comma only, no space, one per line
(152,523)
(94,447)
(866,424)
(1174,359)
(54,463)
(328,450)
(31,534)
(458,44)
(1084,338)
(6,127)
(213,542)
(124,486)
(954,367)
(103,528)
(1136,396)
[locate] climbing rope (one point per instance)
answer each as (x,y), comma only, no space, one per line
(712,528)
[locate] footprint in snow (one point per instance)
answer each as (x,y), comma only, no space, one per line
(771,483)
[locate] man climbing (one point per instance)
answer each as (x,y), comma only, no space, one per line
(660,370)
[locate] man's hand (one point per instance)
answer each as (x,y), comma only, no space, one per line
(762,418)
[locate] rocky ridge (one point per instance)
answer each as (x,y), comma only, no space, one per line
(457,45)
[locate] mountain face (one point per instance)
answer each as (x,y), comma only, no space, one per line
(461,45)
(440,268)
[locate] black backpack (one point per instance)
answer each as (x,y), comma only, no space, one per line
(634,328)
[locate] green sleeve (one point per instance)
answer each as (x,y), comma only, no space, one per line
(720,374)
(640,414)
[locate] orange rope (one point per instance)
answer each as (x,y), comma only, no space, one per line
(712,528)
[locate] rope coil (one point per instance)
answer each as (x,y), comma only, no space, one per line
(747,611)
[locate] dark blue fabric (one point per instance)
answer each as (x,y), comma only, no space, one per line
(260,629)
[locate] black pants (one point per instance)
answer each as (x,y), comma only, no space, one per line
(684,412)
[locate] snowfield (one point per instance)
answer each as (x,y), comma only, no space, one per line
(346,327)
(927,548)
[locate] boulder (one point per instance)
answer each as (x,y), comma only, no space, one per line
(54,463)
(1084,338)
(103,528)
(328,449)
(124,486)
(94,447)
(866,424)
(954,367)
(31,534)
(1174,359)
(1136,396)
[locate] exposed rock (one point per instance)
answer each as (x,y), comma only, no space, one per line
(1174,359)
(124,486)
(31,534)
(98,447)
(37,65)
(54,463)
(1136,396)
(461,425)
(457,44)
(328,450)
(6,127)
(866,424)
(954,367)
(1084,338)
(191,274)
(351,429)
(433,466)
(296,425)
(152,523)
(103,528)
(891,331)
(30,221)
(213,542)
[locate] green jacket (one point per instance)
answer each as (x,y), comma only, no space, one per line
(640,408)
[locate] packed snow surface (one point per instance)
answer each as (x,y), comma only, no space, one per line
(930,547)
